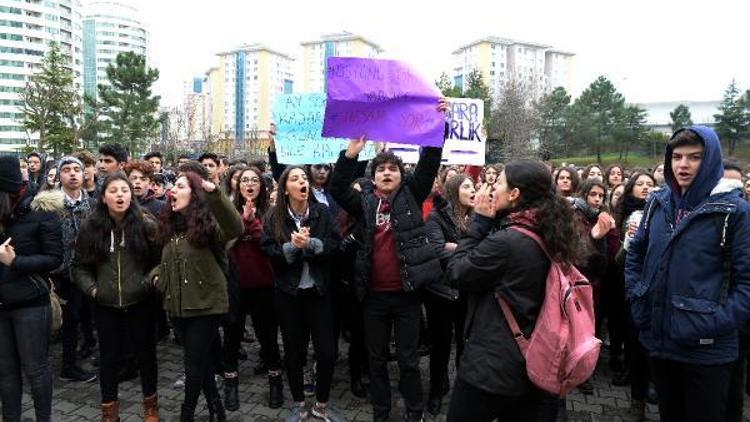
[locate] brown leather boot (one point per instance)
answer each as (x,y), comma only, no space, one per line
(150,409)
(111,412)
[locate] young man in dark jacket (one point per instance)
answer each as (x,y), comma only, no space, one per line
(141,175)
(394,262)
(77,207)
(687,276)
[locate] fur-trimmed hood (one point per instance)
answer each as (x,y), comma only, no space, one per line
(48,200)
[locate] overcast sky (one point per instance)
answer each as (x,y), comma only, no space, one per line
(652,50)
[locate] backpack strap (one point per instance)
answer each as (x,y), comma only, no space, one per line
(515,329)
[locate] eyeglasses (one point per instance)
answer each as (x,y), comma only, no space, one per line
(249,180)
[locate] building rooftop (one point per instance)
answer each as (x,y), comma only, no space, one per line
(562,52)
(503,41)
(343,36)
(254,48)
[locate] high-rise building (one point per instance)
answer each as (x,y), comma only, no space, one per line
(109,28)
(316,53)
(252,75)
(26,30)
(539,67)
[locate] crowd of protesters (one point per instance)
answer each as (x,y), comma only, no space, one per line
(395,261)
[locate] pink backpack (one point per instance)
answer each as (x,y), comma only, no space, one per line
(561,352)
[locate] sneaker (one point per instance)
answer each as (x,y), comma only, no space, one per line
(298,413)
(309,381)
(219,380)
(180,382)
(76,374)
(327,413)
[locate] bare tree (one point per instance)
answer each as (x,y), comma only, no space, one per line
(515,121)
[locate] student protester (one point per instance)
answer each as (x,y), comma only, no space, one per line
(231,182)
(141,176)
(658,175)
(613,176)
(24,169)
(115,252)
(566,182)
(256,293)
(210,161)
(112,158)
(687,279)
(301,238)
(395,261)
(592,171)
(36,175)
(636,371)
(492,258)
(195,228)
(89,171)
(446,309)
(50,181)
(159,186)
(594,225)
(156,160)
(491,171)
(31,248)
(77,207)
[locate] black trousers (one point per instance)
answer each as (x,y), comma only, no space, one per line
(445,321)
(400,311)
(258,302)
(199,337)
(351,317)
(691,393)
(72,306)
(469,403)
(132,325)
(301,317)
(636,359)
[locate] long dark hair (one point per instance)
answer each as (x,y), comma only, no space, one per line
(585,189)
(195,221)
(228,178)
(555,222)
(279,213)
(629,203)
(261,202)
(574,180)
(451,191)
(99,228)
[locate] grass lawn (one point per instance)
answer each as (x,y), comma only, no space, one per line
(633,161)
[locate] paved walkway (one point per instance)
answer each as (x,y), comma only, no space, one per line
(74,402)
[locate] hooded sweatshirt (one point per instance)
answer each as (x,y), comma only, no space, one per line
(710,172)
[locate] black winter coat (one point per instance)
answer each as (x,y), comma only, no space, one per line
(36,235)
(441,229)
(288,275)
(509,263)
(419,264)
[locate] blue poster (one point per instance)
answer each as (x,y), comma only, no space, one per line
(299,123)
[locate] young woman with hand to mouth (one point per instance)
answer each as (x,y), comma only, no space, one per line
(195,229)
(301,239)
(115,252)
(446,309)
(255,279)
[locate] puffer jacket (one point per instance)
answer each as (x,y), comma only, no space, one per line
(492,260)
(123,278)
(288,274)
(419,264)
(192,279)
(36,235)
(673,270)
(441,229)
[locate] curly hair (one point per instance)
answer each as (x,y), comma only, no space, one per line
(195,221)
(555,221)
(386,157)
(574,180)
(262,201)
(587,185)
(99,227)
(227,184)
(608,172)
(142,166)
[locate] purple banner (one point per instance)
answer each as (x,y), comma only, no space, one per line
(384,100)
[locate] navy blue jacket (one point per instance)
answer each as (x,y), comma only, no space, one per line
(673,269)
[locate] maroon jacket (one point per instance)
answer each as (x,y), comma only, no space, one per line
(253,266)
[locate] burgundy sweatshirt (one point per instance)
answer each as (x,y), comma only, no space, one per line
(386,273)
(253,266)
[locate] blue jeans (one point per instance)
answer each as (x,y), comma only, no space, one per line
(24,345)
